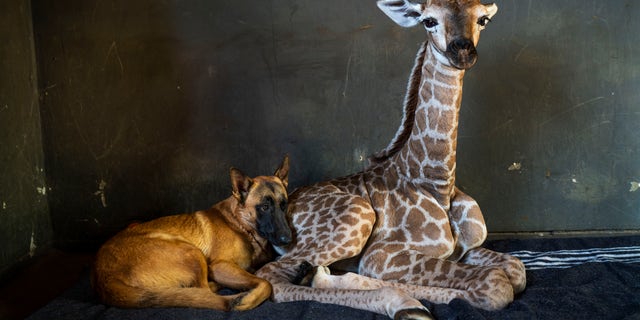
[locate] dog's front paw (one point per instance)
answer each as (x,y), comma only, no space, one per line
(236,303)
(252,298)
(246,302)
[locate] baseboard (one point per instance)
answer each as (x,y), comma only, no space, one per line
(561,234)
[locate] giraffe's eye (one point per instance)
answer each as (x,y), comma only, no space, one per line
(483,20)
(430,22)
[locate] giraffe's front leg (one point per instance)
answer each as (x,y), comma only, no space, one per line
(467,224)
(468,227)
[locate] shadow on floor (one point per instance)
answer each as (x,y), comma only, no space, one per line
(40,281)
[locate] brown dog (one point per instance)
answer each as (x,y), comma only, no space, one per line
(168,262)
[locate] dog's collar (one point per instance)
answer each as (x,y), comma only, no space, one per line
(262,249)
(260,245)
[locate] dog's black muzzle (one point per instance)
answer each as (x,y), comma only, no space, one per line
(275,228)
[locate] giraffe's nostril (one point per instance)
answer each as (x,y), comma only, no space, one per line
(461,44)
(462,53)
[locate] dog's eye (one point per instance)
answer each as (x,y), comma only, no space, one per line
(264,207)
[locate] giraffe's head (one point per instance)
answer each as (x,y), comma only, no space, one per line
(453,26)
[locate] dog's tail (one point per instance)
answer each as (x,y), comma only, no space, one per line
(187,297)
(121,295)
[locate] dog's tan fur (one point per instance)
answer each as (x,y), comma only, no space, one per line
(168,262)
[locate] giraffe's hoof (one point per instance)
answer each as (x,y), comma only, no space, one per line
(304,274)
(321,278)
(413,314)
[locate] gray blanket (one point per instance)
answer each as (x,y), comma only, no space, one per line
(578,278)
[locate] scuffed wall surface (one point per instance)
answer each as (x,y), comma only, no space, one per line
(146,104)
(25,227)
(556,93)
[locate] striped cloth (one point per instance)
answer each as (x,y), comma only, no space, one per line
(568,258)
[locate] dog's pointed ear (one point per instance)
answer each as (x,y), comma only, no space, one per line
(283,171)
(241,184)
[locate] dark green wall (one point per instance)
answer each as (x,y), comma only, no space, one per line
(25,227)
(146,104)
(556,90)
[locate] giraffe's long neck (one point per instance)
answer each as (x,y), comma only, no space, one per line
(426,142)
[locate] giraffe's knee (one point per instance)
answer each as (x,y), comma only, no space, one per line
(492,290)
(517,274)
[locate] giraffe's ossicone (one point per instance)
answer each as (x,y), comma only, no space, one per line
(407,230)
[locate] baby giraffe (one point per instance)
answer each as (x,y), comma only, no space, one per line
(407,229)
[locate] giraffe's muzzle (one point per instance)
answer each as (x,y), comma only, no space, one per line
(462,53)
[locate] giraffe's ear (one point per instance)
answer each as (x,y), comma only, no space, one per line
(492,8)
(283,171)
(402,12)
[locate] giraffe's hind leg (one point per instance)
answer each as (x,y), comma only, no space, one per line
(484,287)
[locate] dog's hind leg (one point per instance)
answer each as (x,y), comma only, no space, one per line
(232,276)
(182,281)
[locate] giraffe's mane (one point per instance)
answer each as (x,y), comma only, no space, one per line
(409,113)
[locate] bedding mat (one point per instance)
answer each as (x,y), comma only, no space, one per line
(567,278)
